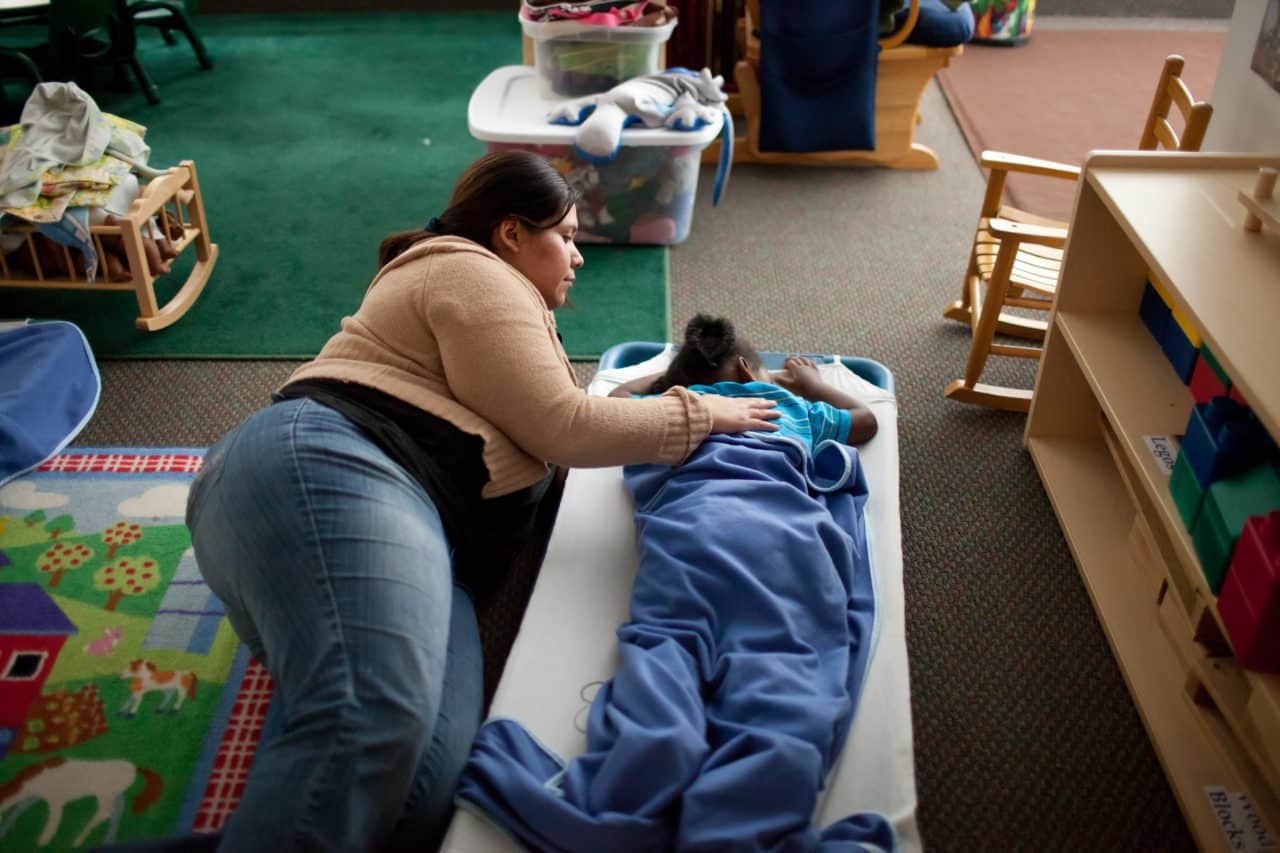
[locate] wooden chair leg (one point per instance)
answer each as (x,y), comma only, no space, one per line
(968,389)
(202,56)
(962,309)
(749,90)
(144,80)
(985,330)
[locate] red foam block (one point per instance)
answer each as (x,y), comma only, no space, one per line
(1250,600)
(1205,384)
(1255,636)
(1256,561)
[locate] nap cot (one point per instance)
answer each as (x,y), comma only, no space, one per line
(566,646)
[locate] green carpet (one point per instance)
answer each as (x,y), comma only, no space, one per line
(314,137)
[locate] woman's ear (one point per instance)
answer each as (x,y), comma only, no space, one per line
(506,236)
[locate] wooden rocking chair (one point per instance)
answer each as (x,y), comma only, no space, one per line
(1016,255)
(903,72)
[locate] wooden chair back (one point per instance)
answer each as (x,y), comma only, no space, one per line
(1171,92)
(1015,251)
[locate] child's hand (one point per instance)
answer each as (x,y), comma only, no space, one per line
(798,375)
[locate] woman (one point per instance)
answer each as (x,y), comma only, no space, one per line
(348,527)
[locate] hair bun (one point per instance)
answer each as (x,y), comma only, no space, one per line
(713,337)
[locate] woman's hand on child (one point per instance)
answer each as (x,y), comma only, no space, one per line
(738,414)
(798,374)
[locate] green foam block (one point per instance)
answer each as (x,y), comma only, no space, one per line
(1227,506)
(1185,488)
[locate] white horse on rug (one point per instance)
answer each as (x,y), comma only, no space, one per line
(60,781)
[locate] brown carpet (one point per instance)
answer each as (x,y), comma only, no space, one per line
(1067,92)
(1025,735)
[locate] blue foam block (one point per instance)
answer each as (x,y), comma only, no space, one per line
(1223,438)
(1154,312)
(1179,350)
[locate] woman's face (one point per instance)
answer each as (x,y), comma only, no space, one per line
(546,256)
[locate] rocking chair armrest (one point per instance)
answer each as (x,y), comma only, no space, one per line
(1007,229)
(913,14)
(1000,161)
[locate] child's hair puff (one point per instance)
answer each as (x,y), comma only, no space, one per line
(710,343)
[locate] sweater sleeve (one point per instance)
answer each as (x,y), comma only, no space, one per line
(502,361)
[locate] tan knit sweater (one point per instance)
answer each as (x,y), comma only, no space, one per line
(453,329)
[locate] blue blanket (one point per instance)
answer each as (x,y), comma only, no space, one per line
(751,627)
(49,388)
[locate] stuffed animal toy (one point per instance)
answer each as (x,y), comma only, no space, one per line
(677,99)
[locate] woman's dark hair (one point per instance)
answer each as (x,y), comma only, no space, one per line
(498,185)
(710,343)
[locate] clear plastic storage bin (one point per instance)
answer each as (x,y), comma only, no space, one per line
(644,195)
(581,59)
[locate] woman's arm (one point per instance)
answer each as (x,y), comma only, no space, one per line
(502,360)
(800,376)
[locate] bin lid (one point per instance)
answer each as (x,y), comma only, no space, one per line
(509,107)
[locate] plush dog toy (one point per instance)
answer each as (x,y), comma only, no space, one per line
(677,99)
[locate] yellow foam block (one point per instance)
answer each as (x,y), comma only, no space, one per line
(1185,325)
(1181,319)
(1164,294)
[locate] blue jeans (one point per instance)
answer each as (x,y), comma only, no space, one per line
(334,569)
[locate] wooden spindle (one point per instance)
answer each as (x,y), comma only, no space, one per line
(1262,191)
(102,258)
(35,258)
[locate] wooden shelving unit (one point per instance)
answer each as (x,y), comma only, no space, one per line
(1103,387)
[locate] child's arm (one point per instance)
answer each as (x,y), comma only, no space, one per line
(800,376)
(643,385)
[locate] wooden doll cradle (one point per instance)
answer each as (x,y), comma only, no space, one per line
(175,201)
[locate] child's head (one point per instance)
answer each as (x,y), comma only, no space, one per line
(712,352)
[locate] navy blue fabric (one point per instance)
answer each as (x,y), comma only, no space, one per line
(818,75)
(751,627)
(938,26)
(49,387)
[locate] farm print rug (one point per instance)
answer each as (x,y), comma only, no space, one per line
(128,709)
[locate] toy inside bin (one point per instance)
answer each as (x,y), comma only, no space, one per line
(644,194)
(1003,22)
(575,59)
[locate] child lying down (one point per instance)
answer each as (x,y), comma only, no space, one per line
(714,360)
(741,664)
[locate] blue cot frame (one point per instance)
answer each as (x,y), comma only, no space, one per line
(634,352)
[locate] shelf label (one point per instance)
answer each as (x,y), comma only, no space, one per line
(1240,824)
(1164,448)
